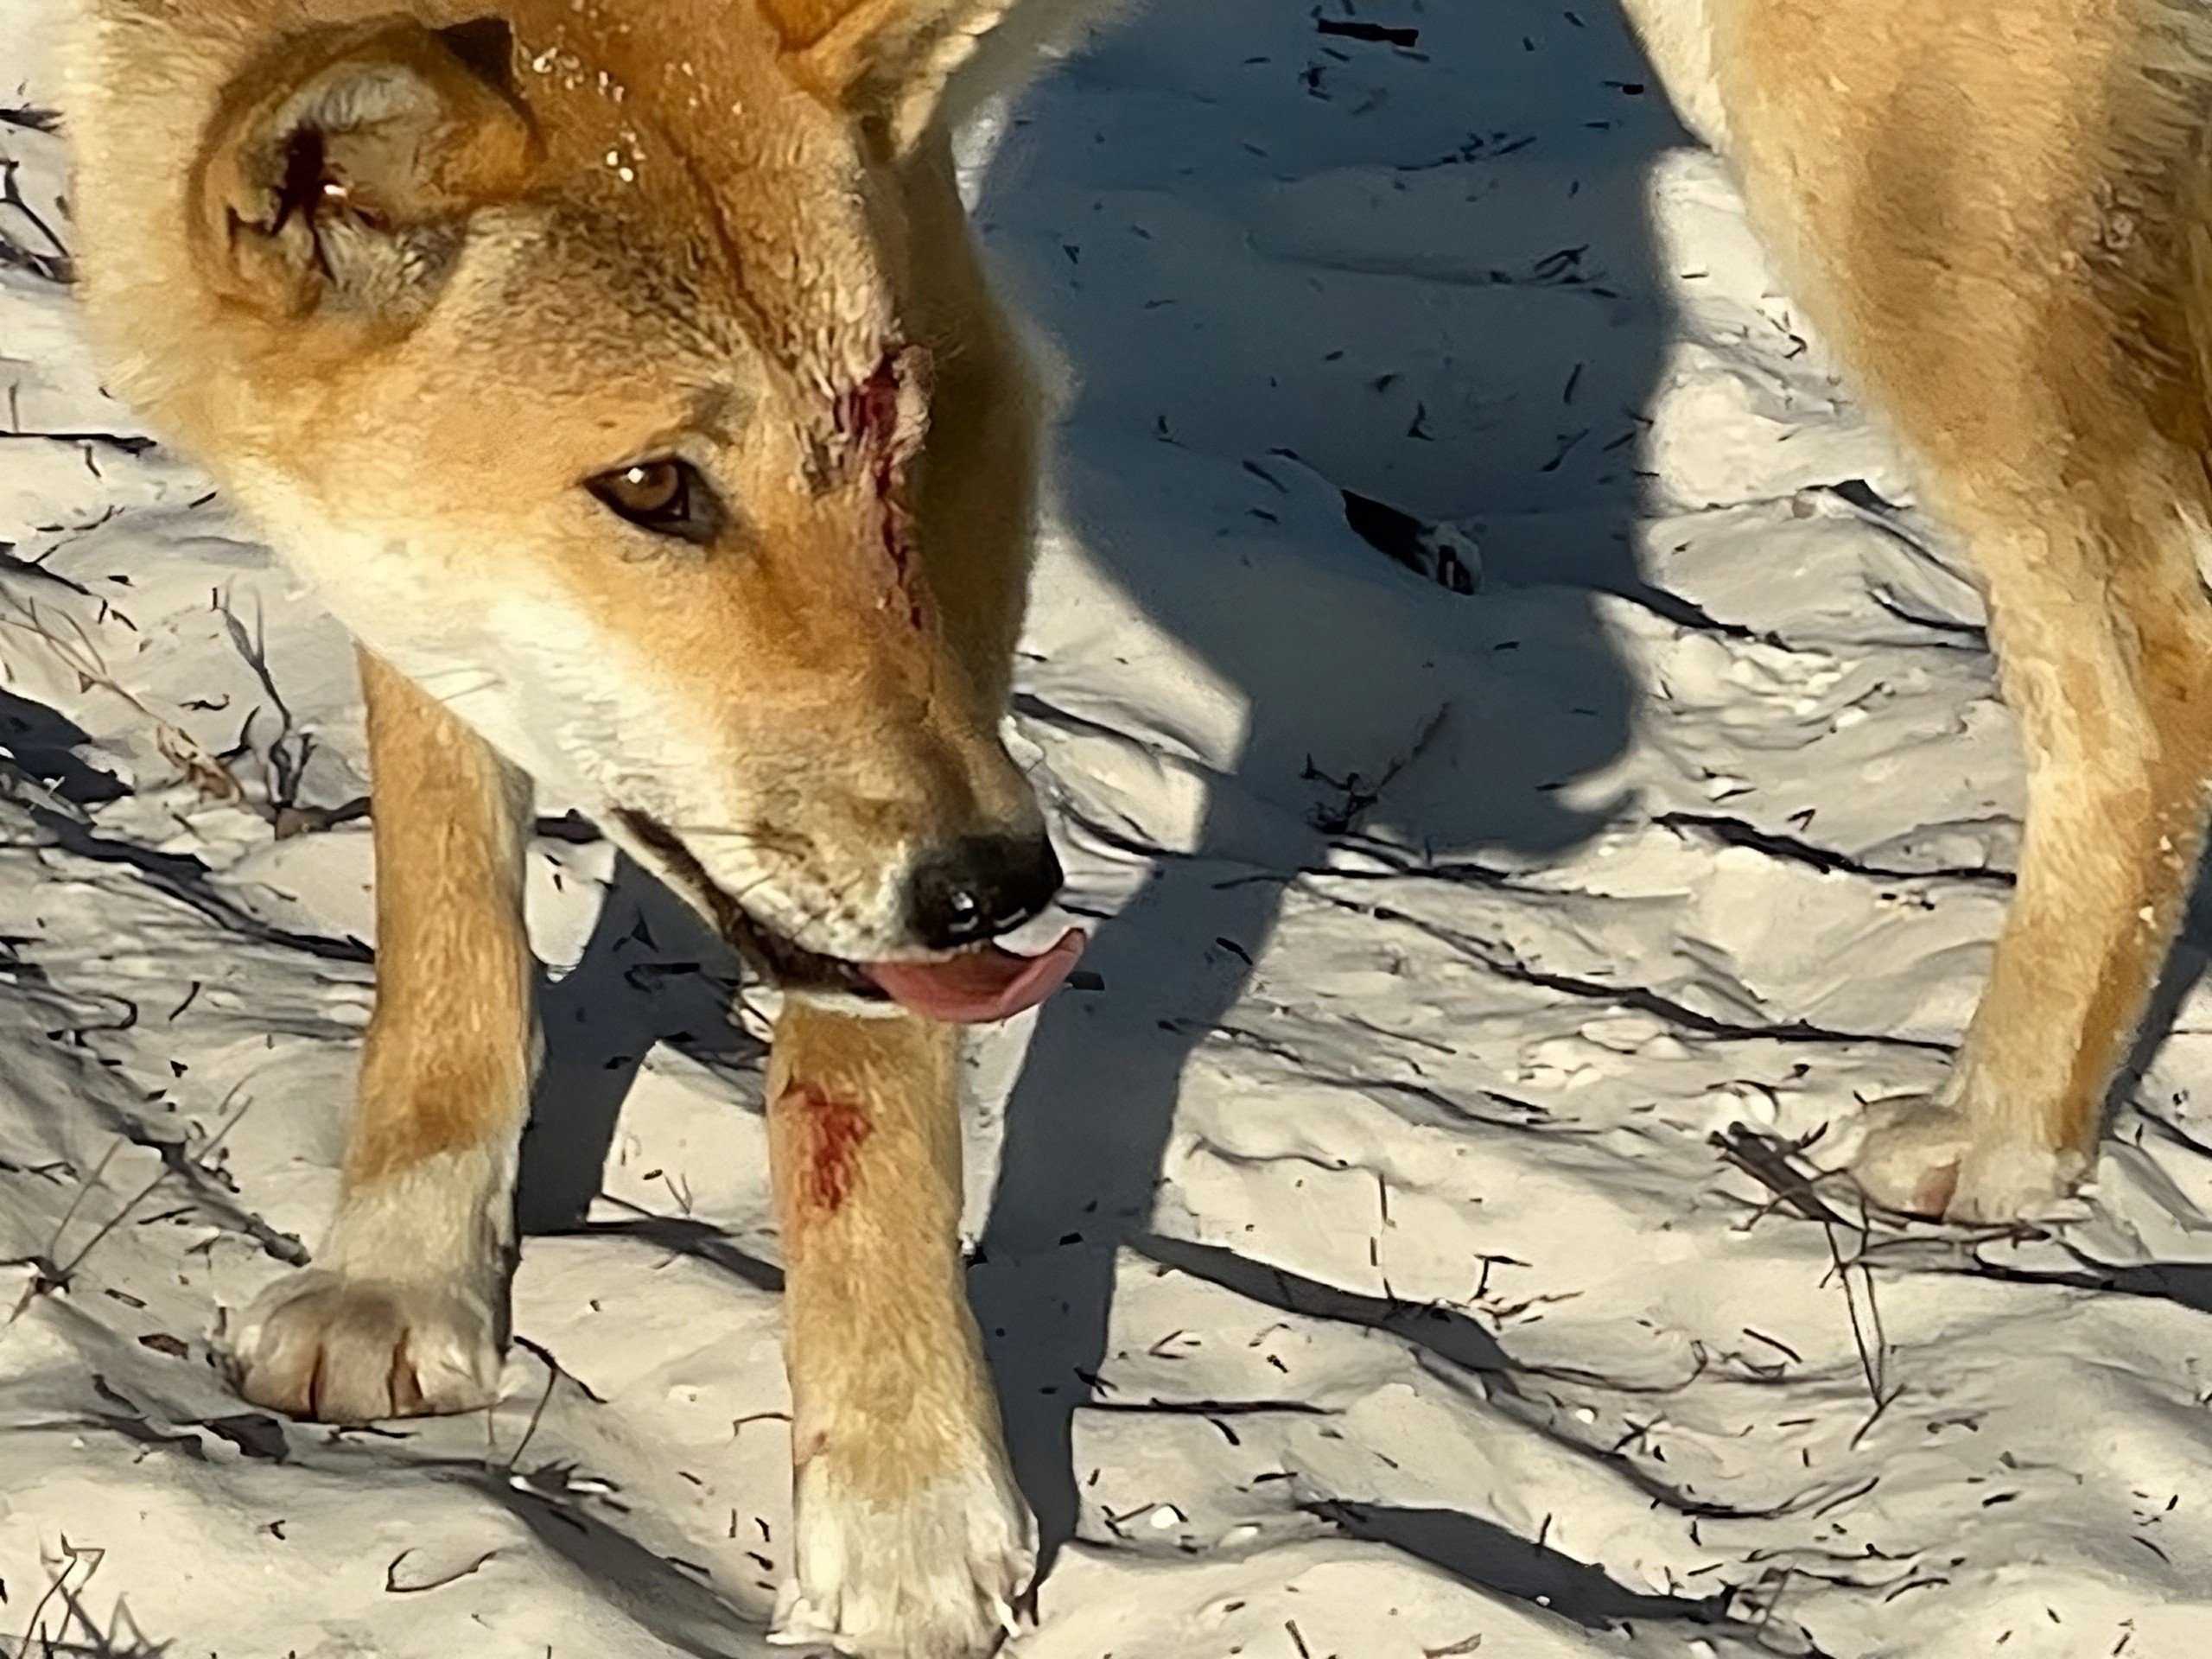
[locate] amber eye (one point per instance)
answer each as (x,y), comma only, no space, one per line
(665,496)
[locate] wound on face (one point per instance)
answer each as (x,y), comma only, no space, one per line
(883,419)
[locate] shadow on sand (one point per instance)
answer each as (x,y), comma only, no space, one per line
(1308,257)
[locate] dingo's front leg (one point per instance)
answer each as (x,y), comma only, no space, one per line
(913,1540)
(404,1311)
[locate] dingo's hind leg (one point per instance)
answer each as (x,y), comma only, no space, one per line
(2008,249)
(404,1310)
(2107,656)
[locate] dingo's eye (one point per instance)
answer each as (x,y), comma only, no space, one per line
(667,496)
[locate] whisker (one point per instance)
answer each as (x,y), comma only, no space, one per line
(788,843)
(830,905)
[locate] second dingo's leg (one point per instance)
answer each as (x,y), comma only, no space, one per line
(1995,214)
(2107,656)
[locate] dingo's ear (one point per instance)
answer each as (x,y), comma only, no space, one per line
(338,177)
(885,60)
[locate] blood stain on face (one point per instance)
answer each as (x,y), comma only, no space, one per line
(883,419)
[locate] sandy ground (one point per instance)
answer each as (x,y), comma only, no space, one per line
(1363,1274)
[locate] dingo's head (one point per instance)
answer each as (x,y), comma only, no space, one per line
(595,360)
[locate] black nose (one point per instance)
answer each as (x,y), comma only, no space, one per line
(980,887)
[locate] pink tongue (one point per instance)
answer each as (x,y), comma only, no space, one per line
(981,986)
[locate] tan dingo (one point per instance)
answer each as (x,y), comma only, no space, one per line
(622,374)
(1999,211)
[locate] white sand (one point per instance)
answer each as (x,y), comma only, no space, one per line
(1377,1297)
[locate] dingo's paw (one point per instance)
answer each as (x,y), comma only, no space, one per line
(333,1349)
(933,1574)
(1920,1158)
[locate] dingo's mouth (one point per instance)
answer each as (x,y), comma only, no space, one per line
(971,987)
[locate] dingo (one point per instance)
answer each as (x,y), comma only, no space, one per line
(1999,212)
(624,377)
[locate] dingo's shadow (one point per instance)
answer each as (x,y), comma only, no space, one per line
(1311,254)
(651,971)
